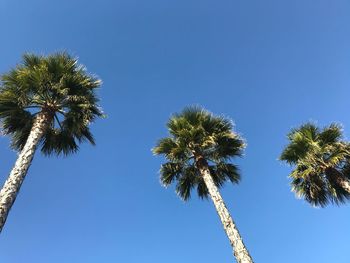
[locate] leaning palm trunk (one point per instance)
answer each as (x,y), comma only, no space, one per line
(13,184)
(240,252)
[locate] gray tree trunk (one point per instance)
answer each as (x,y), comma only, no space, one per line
(240,251)
(13,183)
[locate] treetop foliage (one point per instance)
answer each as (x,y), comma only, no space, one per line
(55,83)
(196,132)
(318,155)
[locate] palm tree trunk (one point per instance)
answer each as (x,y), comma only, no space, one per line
(13,183)
(240,251)
(337,177)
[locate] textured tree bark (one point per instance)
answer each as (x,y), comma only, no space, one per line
(337,177)
(240,251)
(13,183)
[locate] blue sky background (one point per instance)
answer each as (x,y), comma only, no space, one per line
(269,65)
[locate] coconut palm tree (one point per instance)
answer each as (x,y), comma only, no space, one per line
(46,102)
(321,164)
(199,151)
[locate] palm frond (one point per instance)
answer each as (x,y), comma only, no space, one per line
(58,142)
(186,182)
(331,134)
(169,171)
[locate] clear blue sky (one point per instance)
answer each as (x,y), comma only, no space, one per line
(269,65)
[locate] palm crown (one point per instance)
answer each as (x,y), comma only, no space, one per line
(58,84)
(197,133)
(319,155)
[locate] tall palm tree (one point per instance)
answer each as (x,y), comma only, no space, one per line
(321,161)
(199,151)
(45,102)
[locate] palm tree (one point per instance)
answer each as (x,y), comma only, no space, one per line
(199,151)
(321,160)
(45,102)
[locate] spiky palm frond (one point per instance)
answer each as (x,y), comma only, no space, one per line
(316,187)
(311,189)
(56,83)
(196,131)
(315,153)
